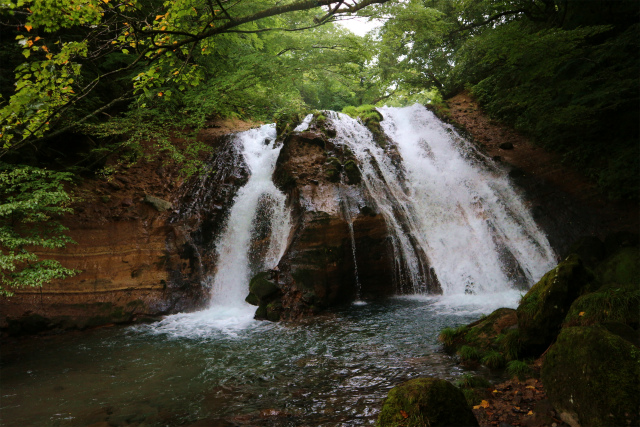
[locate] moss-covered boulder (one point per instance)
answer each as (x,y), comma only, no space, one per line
(612,302)
(266,295)
(592,378)
(426,402)
(543,309)
(332,169)
(261,286)
(483,340)
(622,267)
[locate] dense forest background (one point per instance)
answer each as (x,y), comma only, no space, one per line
(84,80)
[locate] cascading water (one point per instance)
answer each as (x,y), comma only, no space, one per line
(258,205)
(253,239)
(447,207)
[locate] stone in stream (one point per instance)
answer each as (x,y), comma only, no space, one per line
(426,401)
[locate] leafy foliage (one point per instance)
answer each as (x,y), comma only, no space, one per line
(32,199)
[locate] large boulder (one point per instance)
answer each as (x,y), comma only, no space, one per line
(592,378)
(543,309)
(487,340)
(426,402)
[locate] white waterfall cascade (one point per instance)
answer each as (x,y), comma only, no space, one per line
(230,283)
(258,205)
(447,207)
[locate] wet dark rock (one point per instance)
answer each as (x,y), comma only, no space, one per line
(592,378)
(622,239)
(590,249)
(262,287)
(352,172)
(543,309)
(426,401)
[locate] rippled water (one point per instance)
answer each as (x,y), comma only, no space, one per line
(208,369)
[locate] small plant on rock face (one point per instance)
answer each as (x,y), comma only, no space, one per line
(518,368)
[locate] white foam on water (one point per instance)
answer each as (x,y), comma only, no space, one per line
(210,323)
(468,304)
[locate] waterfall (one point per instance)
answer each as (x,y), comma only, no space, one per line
(449,209)
(258,223)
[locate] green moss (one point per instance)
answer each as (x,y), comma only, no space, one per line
(425,402)
(262,287)
(468,353)
(274,311)
(472,381)
(509,344)
(332,169)
(447,336)
(622,267)
(610,303)
(352,171)
(543,309)
(480,334)
(593,376)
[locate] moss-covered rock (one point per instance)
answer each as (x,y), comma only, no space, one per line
(543,309)
(332,169)
(482,333)
(266,295)
(261,286)
(611,303)
(426,402)
(592,378)
(352,171)
(622,267)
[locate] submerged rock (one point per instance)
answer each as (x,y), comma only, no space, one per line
(426,401)
(592,378)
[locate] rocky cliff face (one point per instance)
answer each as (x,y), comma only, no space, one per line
(337,252)
(142,237)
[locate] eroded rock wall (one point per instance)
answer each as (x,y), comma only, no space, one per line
(318,269)
(143,245)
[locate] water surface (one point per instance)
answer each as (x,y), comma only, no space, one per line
(223,368)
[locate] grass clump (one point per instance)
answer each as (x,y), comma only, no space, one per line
(468,353)
(510,344)
(520,369)
(493,359)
